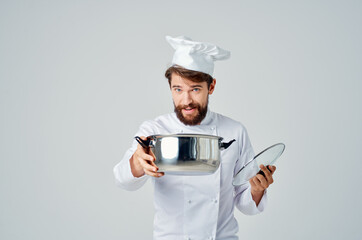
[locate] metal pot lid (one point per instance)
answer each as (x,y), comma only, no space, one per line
(266,157)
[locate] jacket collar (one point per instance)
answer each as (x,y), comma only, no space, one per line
(208,118)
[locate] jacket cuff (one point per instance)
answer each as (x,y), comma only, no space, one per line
(262,204)
(247,205)
(124,177)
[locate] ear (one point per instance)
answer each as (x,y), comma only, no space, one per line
(212,86)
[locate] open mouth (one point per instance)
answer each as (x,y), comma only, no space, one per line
(188,110)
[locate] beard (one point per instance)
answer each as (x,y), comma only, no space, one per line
(191,120)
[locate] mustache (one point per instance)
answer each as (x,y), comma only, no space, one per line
(191,105)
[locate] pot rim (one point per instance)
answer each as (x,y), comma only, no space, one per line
(156,136)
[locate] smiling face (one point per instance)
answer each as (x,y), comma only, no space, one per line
(190,99)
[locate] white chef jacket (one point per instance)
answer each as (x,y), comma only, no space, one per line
(197,207)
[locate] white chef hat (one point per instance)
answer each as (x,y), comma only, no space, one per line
(197,56)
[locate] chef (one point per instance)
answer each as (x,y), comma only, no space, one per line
(195,207)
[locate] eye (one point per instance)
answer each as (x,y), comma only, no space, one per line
(177,90)
(196,89)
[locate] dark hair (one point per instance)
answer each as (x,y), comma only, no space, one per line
(194,76)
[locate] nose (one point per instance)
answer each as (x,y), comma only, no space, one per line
(186,98)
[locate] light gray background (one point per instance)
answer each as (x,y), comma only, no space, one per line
(78,77)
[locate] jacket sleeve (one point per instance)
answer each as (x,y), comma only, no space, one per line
(243,199)
(122,171)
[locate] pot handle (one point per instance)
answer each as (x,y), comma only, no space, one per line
(143,143)
(225,145)
(262,173)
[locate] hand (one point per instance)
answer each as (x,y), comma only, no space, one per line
(259,183)
(143,162)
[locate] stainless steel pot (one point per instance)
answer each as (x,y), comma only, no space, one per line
(185,154)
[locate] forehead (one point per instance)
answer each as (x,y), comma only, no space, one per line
(180,81)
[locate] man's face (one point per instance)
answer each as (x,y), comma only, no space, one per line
(190,99)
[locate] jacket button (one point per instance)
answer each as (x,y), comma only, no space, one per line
(215,201)
(189,201)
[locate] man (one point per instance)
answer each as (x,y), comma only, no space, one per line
(195,207)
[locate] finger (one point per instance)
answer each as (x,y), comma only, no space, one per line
(253,184)
(143,138)
(146,156)
(152,163)
(267,173)
(147,166)
(150,173)
(154,174)
(265,170)
(261,172)
(141,147)
(272,168)
(257,185)
(263,181)
(152,154)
